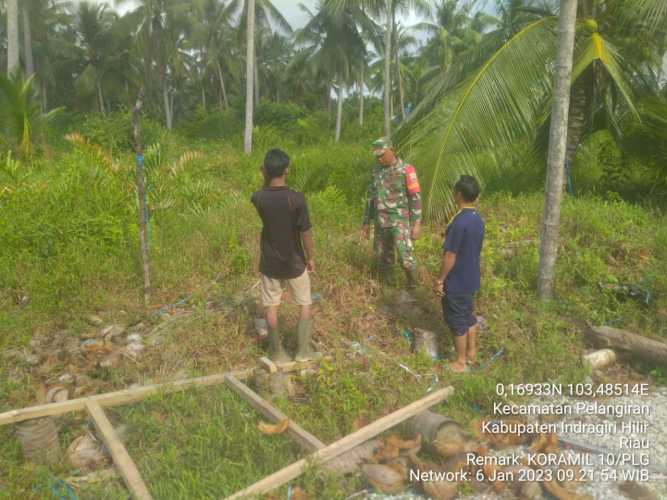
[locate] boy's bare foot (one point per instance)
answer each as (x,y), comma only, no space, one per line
(472,359)
(458,367)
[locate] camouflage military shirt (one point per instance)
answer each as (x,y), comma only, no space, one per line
(393,196)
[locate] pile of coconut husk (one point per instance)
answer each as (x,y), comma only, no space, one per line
(437,461)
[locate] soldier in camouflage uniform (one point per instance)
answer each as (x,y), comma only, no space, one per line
(394,206)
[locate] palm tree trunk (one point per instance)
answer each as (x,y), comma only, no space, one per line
(401,90)
(256,76)
(361,99)
(387,68)
(203,97)
(27,43)
(12,37)
(580,102)
(172,98)
(557,144)
(222,84)
(45,100)
(167,107)
(249,76)
(339,113)
(100,98)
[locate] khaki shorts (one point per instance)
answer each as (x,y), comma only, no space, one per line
(272,290)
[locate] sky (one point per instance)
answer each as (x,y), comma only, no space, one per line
(289,8)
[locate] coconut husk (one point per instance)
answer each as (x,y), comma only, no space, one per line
(349,462)
(86,454)
(530,490)
(449,441)
(405,445)
(637,491)
(383,478)
(571,485)
(57,394)
(491,470)
(279,428)
(539,443)
(440,490)
(561,493)
(552,444)
(456,463)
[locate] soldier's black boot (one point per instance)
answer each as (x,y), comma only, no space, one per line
(278,354)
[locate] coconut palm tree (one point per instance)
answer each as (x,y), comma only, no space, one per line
(210,34)
(94,24)
(335,41)
(557,143)
(267,18)
(12,37)
(500,93)
(161,28)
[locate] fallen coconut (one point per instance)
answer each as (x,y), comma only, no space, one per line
(57,394)
(349,462)
(384,478)
(86,454)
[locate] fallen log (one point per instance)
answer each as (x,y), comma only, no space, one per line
(645,348)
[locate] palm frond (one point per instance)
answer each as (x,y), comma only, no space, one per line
(496,106)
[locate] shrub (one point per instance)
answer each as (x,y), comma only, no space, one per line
(113,131)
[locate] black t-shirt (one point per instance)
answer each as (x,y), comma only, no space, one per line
(284,214)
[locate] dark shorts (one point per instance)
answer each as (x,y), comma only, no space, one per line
(458,310)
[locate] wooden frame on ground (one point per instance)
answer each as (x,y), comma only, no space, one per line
(127,469)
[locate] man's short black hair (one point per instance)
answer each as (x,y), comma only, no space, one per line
(276,162)
(468,186)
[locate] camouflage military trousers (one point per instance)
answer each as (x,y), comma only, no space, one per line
(389,239)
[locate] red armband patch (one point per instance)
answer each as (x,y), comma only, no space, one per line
(411,180)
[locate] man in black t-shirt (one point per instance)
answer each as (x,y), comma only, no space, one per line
(286,252)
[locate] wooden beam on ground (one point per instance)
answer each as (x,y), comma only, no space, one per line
(343,445)
(124,463)
(295,366)
(116,398)
(304,438)
(645,348)
(268,365)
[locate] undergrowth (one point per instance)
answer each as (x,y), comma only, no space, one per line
(69,249)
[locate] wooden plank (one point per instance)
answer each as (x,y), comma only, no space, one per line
(116,398)
(304,438)
(124,463)
(295,366)
(268,365)
(343,445)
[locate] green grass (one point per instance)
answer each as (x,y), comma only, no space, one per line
(70,247)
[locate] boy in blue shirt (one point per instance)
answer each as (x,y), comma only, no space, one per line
(459,277)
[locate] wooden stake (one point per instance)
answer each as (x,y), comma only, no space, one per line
(124,463)
(116,398)
(303,438)
(343,445)
(141,194)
